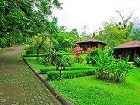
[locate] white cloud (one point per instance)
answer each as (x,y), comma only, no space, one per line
(77,13)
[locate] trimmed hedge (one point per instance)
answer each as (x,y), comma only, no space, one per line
(79,68)
(55,75)
(44,71)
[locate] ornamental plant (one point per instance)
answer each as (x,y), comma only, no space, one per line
(88,57)
(77,52)
(89,50)
(63,61)
(108,68)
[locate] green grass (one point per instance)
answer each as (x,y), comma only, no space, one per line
(76,70)
(36,66)
(90,91)
(75,66)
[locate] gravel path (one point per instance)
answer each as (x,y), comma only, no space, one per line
(18,85)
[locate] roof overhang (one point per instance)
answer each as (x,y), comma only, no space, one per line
(126,47)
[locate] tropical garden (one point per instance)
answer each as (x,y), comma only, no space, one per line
(91,77)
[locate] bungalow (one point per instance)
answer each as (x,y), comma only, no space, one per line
(131,49)
(91,43)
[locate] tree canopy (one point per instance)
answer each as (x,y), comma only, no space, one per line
(22,18)
(115,33)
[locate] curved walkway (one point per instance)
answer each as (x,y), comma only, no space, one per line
(18,85)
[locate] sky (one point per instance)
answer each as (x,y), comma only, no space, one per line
(93,13)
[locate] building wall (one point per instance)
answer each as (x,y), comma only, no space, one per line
(125,52)
(90,45)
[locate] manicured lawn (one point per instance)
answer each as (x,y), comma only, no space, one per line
(76,70)
(76,66)
(89,91)
(35,64)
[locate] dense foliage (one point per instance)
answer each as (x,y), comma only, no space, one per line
(21,19)
(114,35)
(137,61)
(66,41)
(135,34)
(63,61)
(108,68)
(77,52)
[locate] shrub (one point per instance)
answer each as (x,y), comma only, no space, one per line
(75,68)
(108,68)
(30,50)
(54,75)
(42,60)
(88,50)
(88,59)
(77,52)
(94,54)
(63,61)
(137,62)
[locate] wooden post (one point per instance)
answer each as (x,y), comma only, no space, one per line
(135,55)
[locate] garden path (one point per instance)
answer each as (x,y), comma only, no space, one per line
(18,84)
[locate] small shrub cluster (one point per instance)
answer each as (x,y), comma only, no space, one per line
(137,62)
(77,51)
(108,68)
(63,61)
(30,50)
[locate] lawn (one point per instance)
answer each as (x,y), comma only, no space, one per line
(90,91)
(86,90)
(50,72)
(76,66)
(38,66)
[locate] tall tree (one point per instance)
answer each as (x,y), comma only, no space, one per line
(66,40)
(135,34)
(125,20)
(23,18)
(115,33)
(74,31)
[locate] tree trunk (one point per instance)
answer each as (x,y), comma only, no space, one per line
(49,55)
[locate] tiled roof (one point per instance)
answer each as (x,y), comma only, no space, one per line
(130,44)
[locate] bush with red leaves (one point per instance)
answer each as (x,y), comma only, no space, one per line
(77,52)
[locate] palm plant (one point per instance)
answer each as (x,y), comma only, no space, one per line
(108,68)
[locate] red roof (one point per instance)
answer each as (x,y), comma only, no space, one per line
(130,44)
(90,40)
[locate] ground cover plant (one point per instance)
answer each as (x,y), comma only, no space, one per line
(91,91)
(51,73)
